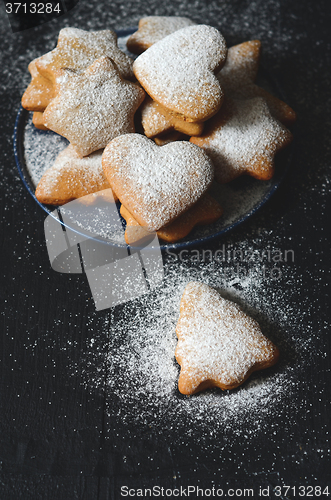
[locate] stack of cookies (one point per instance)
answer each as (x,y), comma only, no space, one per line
(195,98)
(201,117)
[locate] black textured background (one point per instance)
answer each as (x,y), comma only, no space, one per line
(57,439)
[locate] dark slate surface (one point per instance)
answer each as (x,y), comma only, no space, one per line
(63,437)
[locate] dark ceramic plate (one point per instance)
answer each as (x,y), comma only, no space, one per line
(36,150)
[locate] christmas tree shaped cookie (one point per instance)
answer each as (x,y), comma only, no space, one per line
(218,344)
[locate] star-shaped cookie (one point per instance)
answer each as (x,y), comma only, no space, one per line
(151,29)
(38,120)
(71,177)
(218,344)
(39,92)
(77,49)
(94,107)
(238,75)
(157,121)
(205,211)
(243,138)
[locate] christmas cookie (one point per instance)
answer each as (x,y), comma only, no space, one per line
(94,107)
(156,121)
(218,344)
(151,29)
(40,91)
(156,184)
(243,138)
(169,137)
(239,73)
(38,120)
(77,49)
(205,211)
(178,72)
(71,177)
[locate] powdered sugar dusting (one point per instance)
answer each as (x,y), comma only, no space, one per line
(71,177)
(178,73)
(238,198)
(266,405)
(40,150)
(239,73)
(154,28)
(241,65)
(243,137)
(94,107)
(77,49)
(156,184)
(142,373)
(218,342)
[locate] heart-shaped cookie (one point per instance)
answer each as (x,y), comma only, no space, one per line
(156,184)
(179,72)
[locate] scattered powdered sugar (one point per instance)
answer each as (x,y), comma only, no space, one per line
(135,353)
(95,218)
(238,199)
(41,149)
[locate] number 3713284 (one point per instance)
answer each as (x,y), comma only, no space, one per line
(32,8)
(302,491)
